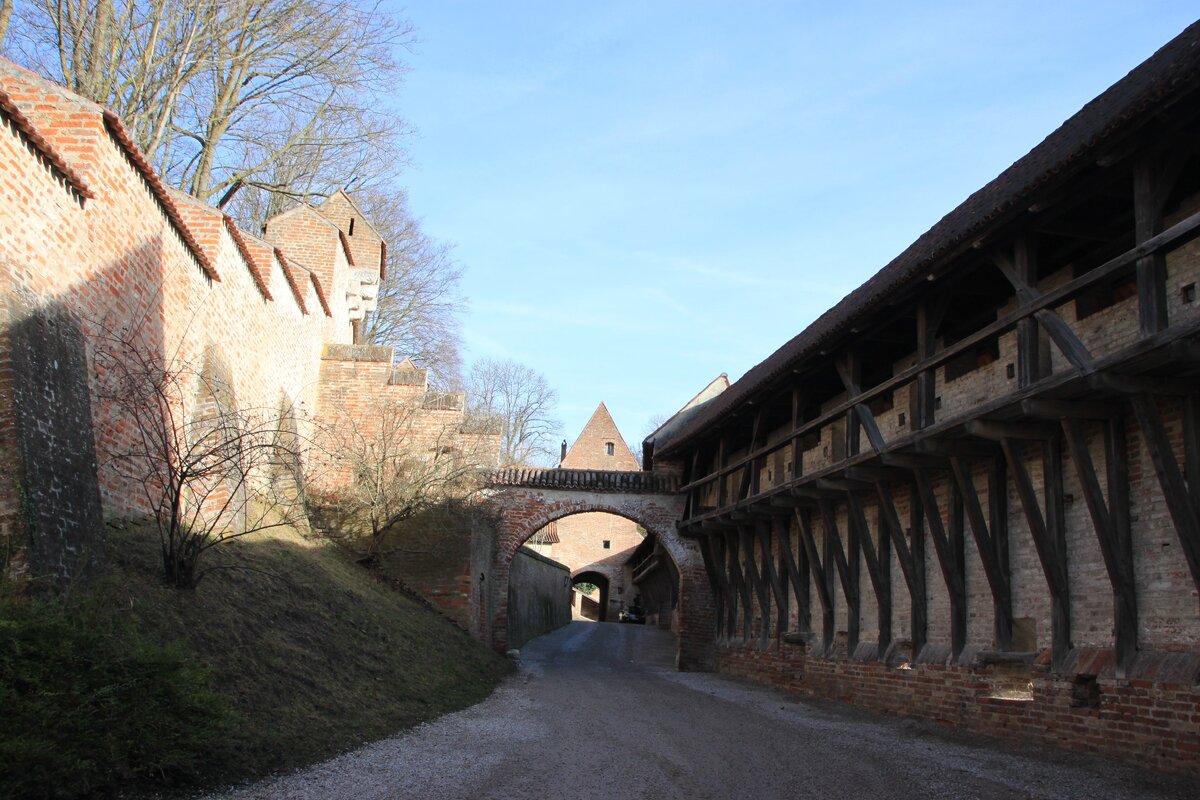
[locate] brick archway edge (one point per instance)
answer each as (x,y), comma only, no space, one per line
(521,512)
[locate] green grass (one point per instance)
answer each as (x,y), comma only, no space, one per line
(310,652)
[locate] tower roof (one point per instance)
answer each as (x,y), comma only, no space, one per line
(591,449)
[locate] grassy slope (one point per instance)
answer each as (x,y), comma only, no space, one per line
(316,654)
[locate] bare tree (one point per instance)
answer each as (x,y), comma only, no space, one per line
(420,301)
(221,93)
(523,403)
(208,472)
(6,9)
(397,461)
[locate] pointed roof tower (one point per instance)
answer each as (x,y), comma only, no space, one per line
(600,446)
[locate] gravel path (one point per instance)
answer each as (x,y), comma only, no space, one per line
(597,712)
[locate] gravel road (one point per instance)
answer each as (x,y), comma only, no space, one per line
(597,712)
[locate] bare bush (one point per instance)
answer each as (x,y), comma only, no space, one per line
(207,471)
(395,462)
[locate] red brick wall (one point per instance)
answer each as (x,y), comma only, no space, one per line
(1154,724)
(122,263)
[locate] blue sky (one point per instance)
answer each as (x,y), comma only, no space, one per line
(647,194)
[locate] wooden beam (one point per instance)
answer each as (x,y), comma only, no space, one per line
(1048,543)
(1180,498)
(949,548)
(878,569)
(914,573)
(1151,268)
(1022,276)
(849,370)
(820,577)
(761,592)
(772,577)
(1069,409)
(999,431)
(994,568)
(847,569)
(1110,520)
(795,566)
(717,581)
(1143,384)
(738,583)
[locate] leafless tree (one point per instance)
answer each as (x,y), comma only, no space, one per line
(420,301)
(523,404)
(208,472)
(399,460)
(6,9)
(222,93)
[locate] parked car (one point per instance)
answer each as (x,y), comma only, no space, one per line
(633,615)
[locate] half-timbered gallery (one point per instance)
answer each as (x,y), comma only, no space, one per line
(970,491)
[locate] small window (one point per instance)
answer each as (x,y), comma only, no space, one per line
(351,231)
(611,450)
(607,544)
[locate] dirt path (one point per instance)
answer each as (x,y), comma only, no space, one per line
(597,712)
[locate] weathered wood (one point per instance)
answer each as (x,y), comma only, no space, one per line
(995,570)
(737,582)
(1176,236)
(847,569)
(761,592)
(918,586)
(820,577)
(1112,534)
(795,565)
(1055,326)
(929,319)
(1063,409)
(849,369)
(1181,502)
(1151,268)
(1047,545)
(999,431)
(717,582)
(772,577)
(949,549)
(878,568)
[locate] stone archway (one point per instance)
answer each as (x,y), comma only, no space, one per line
(602,583)
(522,511)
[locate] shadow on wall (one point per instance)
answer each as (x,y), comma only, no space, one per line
(539,596)
(54,433)
(51,459)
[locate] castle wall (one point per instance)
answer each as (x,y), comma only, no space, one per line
(98,258)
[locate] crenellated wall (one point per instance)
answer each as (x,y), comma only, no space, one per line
(97,254)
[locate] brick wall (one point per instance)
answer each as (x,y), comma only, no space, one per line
(1153,723)
(93,238)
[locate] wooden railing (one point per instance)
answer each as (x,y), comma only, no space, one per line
(735,482)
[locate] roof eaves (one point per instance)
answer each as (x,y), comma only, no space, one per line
(1171,72)
(291,279)
(255,272)
(43,149)
(138,161)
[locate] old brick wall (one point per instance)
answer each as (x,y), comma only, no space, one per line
(539,596)
(92,239)
(522,512)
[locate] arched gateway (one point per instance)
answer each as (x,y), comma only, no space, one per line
(526,500)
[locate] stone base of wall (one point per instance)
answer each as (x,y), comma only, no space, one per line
(1151,723)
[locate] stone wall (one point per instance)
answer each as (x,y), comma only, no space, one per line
(539,596)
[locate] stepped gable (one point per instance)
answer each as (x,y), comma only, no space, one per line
(590,450)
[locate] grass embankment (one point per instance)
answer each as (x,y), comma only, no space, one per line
(309,653)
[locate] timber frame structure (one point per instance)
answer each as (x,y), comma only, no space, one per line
(1001,428)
